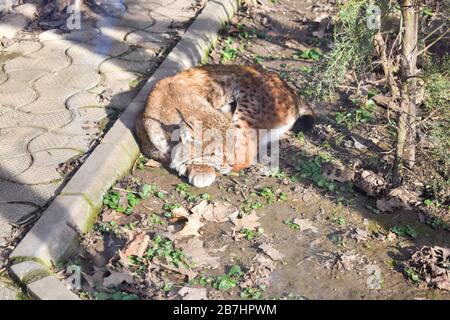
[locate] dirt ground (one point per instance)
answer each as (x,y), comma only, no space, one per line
(284,235)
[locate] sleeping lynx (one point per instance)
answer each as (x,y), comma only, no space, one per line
(224,115)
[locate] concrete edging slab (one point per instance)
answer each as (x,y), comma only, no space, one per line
(51,239)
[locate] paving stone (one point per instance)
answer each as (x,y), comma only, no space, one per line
(106,173)
(29,271)
(16,94)
(82,35)
(24,47)
(12,23)
(113,29)
(13,165)
(83,100)
(14,141)
(117,64)
(53,157)
(35,194)
(8,292)
(148,39)
(11,213)
(47,103)
(46,121)
(107,46)
(119,81)
(83,55)
(50,288)
(44,59)
(65,215)
(3,77)
(76,77)
(26,76)
(52,34)
(60,45)
(36,174)
(95,114)
(140,55)
(50,140)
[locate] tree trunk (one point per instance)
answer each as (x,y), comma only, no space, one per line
(410,152)
(407,114)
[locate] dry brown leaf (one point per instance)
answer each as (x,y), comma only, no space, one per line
(359,234)
(431,264)
(195,251)
(389,205)
(191,227)
(216,211)
(152,164)
(406,196)
(117,278)
(188,293)
(138,245)
(249,221)
(221,212)
(370,182)
(273,253)
(180,212)
(305,224)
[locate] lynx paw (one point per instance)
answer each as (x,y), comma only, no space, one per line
(200,175)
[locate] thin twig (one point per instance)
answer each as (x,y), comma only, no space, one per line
(432,43)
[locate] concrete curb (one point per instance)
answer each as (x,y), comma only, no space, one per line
(53,237)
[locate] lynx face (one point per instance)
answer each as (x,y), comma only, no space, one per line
(215,119)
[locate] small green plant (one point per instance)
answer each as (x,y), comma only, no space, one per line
(146,190)
(412,275)
(230,280)
(156,220)
(113,200)
(252,293)
(167,287)
(106,227)
(249,206)
(277,173)
(309,54)
(229,53)
(185,192)
(252,234)
(270,195)
(291,225)
(439,224)
(115,296)
(164,249)
(352,118)
(310,168)
(340,221)
(404,231)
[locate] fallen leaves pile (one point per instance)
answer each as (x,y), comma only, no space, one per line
(431,264)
